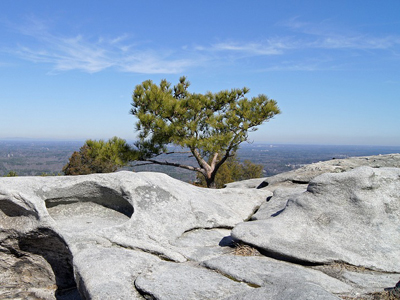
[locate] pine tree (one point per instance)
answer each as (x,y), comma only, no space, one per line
(99,157)
(211,125)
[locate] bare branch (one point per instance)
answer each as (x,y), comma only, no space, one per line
(166,163)
(200,160)
(172,152)
(180,152)
(214,160)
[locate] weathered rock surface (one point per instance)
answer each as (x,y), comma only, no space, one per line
(351,217)
(304,174)
(104,230)
(277,202)
(177,281)
(147,236)
(265,271)
(109,272)
(287,291)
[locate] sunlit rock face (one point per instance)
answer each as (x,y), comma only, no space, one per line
(351,217)
(332,232)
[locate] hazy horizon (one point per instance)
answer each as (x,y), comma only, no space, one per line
(21,139)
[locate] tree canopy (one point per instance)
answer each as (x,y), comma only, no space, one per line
(209,125)
(99,157)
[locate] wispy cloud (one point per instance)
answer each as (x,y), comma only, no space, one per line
(69,54)
(292,44)
(80,53)
(307,64)
(328,36)
(252,48)
(359,42)
(307,46)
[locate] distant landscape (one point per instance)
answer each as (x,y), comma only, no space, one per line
(36,158)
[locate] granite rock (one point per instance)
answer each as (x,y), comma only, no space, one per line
(351,217)
(147,236)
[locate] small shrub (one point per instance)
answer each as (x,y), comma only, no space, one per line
(11,174)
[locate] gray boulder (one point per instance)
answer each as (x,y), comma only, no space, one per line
(277,202)
(147,236)
(98,232)
(305,174)
(351,217)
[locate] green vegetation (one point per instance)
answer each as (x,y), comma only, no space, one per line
(210,125)
(99,157)
(11,174)
(232,171)
(45,174)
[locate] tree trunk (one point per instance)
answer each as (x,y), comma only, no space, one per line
(210,180)
(211,184)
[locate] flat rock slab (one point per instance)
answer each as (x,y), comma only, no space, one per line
(363,280)
(351,217)
(295,291)
(108,273)
(85,216)
(264,271)
(203,244)
(174,281)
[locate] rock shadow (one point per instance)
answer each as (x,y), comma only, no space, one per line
(88,206)
(227,241)
(90,192)
(49,245)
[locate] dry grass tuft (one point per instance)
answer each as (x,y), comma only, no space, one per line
(348,267)
(245,250)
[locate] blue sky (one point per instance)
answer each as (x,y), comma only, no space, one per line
(68,68)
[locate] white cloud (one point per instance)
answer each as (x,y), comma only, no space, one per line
(79,53)
(267,47)
(250,48)
(329,35)
(120,53)
(358,42)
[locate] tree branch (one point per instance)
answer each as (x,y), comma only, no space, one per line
(200,160)
(166,163)
(172,152)
(214,160)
